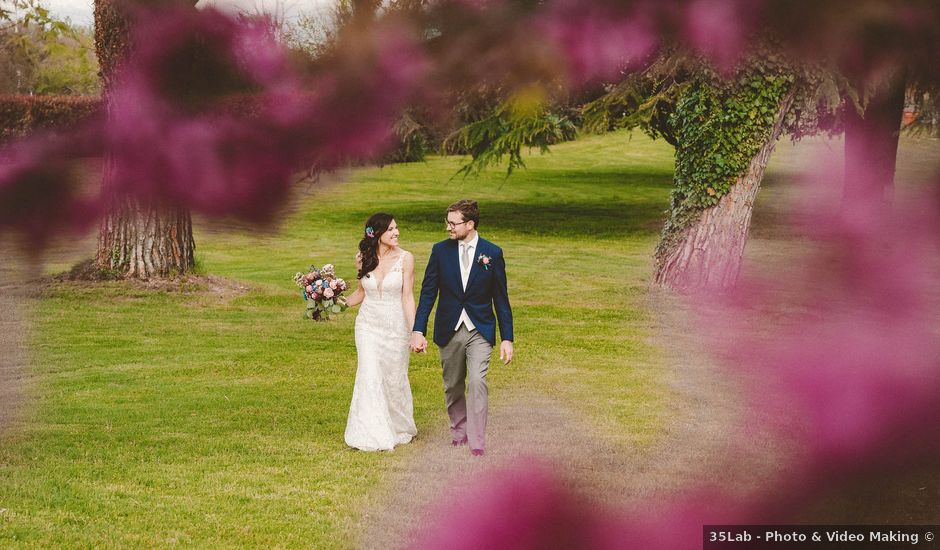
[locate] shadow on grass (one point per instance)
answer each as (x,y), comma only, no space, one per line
(574,219)
(565,203)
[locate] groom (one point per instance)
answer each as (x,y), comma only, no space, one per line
(469,273)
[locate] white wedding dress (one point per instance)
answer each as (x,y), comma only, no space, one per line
(381,414)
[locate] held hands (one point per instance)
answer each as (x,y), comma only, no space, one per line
(505,352)
(419,344)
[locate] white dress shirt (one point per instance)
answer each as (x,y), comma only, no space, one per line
(465,275)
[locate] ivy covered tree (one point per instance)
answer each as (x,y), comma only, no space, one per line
(724,138)
(724,130)
(724,127)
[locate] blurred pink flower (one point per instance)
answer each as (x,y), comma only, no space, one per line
(531,507)
(328,292)
(356,104)
(194,121)
(521,508)
(208,114)
(719,29)
(41,188)
(859,372)
(598,41)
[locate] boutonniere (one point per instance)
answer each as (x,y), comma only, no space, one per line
(484,261)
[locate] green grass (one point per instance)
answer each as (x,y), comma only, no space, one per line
(157,418)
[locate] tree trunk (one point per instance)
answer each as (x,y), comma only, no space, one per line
(136,238)
(871,151)
(145,240)
(707,255)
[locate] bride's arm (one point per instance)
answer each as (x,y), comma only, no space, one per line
(359,295)
(408,288)
(356,297)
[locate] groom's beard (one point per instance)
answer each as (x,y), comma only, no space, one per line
(456,236)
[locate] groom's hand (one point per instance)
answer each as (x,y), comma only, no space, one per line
(505,351)
(418,342)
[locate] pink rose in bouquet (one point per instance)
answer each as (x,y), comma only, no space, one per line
(321,290)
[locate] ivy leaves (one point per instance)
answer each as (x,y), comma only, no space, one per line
(719,128)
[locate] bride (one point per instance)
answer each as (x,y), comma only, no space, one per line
(381,414)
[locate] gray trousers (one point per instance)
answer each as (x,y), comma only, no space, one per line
(465,361)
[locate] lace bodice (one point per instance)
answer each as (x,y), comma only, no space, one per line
(388,289)
(382,306)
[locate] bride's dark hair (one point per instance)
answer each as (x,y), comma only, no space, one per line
(369,245)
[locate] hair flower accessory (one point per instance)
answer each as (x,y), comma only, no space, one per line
(484,260)
(370,232)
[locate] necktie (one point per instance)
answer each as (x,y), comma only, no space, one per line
(465,257)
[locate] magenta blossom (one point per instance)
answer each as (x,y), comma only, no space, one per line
(209,114)
(859,371)
(599,41)
(718,28)
(194,118)
(44,189)
(522,508)
(530,507)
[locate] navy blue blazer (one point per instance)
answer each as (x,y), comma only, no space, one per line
(486,291)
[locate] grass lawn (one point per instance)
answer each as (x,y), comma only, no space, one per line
(157,417)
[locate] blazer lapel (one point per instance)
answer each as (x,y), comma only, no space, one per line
(453,261)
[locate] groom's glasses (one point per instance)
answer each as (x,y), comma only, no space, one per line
(452,225)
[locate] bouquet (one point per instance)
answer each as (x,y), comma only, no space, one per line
(323,291)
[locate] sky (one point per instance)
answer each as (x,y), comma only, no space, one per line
(80,11)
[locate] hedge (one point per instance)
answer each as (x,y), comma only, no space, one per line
(21,114)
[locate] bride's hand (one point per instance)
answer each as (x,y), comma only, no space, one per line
(418,342)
